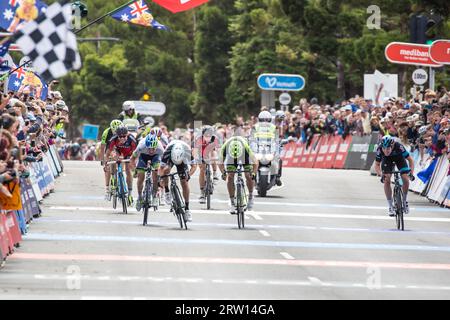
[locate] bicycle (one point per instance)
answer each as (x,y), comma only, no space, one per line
(178,205)
(399,199)
(118,185)
(147,195)
(241,197)
(209,186)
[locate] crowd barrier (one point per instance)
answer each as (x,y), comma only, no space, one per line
(358,152)
(331,152)
(13,223)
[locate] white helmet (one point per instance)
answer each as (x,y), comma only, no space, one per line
(265,116)
(280,114)
(127,105)
(177,154)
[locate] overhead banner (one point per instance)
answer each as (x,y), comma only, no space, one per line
(175,6)
(409,53)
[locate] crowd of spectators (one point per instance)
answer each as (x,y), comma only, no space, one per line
(28,127)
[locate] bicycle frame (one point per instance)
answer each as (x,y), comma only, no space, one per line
(240,195)
(178,204)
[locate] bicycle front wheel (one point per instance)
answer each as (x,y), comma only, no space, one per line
(123,194)
(179,207)
(147,200)
(399,209)
(239,206)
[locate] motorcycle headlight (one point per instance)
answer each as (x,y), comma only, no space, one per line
(258,156)
(269,157)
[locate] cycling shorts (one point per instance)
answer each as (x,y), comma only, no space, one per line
(388,164)
(145,158)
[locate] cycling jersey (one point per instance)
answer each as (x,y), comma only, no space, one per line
(397,150)
(244,157)
(396,158)
(125,149)
(107,135)
(206,147)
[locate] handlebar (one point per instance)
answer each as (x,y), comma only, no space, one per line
(118,161)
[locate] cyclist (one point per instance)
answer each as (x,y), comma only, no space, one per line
(391,153)
(149,149)
(129,111)
(124,144)
(237,150)
(177,153)
(106,137)
(205,147)
(266,130)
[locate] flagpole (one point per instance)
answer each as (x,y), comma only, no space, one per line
(75,32)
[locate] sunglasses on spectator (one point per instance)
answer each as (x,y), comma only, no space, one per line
(122,137)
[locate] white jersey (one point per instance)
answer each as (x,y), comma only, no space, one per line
(142,149)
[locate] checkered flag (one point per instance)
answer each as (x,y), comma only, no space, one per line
(50,43)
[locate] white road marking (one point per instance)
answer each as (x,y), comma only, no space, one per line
(312,281)
(254,215)
(287,256)
(315,281)
(264,233)
(268,213)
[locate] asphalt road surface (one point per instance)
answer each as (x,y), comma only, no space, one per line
(323,235)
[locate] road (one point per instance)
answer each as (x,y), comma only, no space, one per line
(324,235)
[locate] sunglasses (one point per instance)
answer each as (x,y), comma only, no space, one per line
(122,137)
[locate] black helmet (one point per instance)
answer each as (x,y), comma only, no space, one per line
(122,131)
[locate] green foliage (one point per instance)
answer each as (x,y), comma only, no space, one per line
(206,67)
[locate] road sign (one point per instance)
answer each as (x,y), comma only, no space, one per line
(420,76)
(440,51)
(150,108)
(285,98)
(409,53)
(281,82)
(90,132)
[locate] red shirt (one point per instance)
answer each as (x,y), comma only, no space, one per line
(124,149)
(206,146)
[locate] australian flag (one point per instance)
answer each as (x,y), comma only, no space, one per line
(21,80)
(14,13)
(138,13)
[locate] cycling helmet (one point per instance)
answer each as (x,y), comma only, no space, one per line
(235,149)
(156,132)
(115,124)
(387,142)
(280,115)
(151,141)
(207,131)
(121,131)
(265,116)
(128,105)
(60,104)
(149,121)
(177,154)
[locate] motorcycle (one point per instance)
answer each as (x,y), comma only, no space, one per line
(269,165)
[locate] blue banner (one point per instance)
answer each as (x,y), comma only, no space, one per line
(90,132)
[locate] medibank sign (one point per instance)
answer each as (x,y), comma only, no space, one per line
(409,53)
